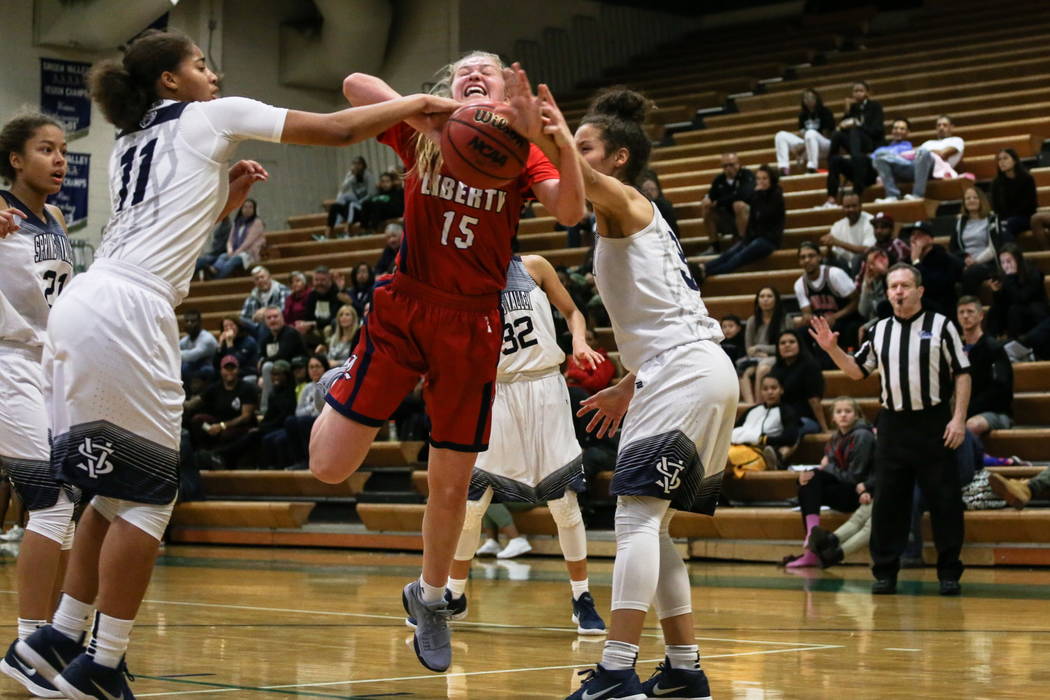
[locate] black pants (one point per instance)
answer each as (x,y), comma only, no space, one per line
(855,142)
(909,449)
(825,490)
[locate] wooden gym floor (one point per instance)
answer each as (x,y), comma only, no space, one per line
(280,623)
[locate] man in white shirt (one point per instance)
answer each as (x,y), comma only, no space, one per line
(851,235)
(929,161)
(198,348)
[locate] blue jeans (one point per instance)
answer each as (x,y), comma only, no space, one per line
(227,265)
(892,168)
(739,255)
(808,426)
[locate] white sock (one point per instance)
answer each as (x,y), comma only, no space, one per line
(579,588)
(431,594)
(619,656)
(109,640)
(456,586)
(71,618)
(683,656)
(27,627)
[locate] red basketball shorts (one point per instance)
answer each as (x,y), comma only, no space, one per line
(414,331)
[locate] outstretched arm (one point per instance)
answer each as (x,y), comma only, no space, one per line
(359,123)
(242,176)
(361,89)
(821,332)
(541,270)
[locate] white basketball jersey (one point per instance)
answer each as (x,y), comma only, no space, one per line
(168,181)
(652,300)
(529,342)
(36,262)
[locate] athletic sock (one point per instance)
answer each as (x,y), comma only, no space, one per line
(457,587)
(579,588)
(812,521)
(71,618)
(109,640)
(27,627)
(619,656)
(430,594)
(685,656)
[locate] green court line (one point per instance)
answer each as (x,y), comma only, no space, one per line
(280,691)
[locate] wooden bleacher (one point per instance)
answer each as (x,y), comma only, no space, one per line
(993,85)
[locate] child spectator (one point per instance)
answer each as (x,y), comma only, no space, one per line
(976,241)
(760,341)
(1019,302)
(771,426)
(1013,194)
(651,188)
(991,376)
(765,226)
(295,302)
(245,244)
(341,337)
(843,481)
(733,343)
(725,206)
(590,379)
(815,125)
(802,380)
(234,339)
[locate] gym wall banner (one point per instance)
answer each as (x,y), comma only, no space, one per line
(72,199)
(64,94)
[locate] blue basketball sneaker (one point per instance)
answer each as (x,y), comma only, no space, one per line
(432,640)
(49,651)
(586,617)
(14,666)
(602,684)
(86,680)
(677,683)
(456,606)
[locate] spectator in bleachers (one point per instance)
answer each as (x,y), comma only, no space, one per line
(363,280)
(267,292)
(236,340)
(279,342)
(216,247)
(1041,229)
(223,414)
(581,234)
(760,341)
(815,126)
(840,166)
(1019,492)
(733,343)
(940,270)
(590,379)
(976,241)
(245,244)
(358,185)
(341,336)
(860,132)
(991,376)
(895,247)
(387,203)
(1013,194)
(849,456)
(935,158)
(198,348)
(1019,302)
(651,188)
(395,232)
(295,443)
(321,305)
(851,236)
(802,380)
(295,302)
(725,206)
(765,226)
(269,434)
(771,426)
(842,478)
(873,303)
(827,291)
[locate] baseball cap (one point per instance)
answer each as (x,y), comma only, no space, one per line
(882,219)
(230,360)
(923,226)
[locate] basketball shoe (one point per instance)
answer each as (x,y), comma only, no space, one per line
(49,651)
(586,617)
(456,606)
(602,684)
(677,683)
(28,676)
(86,680)
(432,641)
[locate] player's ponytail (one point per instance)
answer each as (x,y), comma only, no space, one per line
(14,135)
(125,89)
(620,113)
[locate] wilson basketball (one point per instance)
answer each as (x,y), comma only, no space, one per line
(480,148)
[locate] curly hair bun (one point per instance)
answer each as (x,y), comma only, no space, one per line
(622,103)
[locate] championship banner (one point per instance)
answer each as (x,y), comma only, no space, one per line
(72,199)
(64,93)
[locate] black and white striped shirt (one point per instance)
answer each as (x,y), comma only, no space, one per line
(917,358)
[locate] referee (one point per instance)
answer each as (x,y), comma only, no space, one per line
(921,362)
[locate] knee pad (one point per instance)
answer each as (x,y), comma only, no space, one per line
(572,537)
(566,510)
(637,514)
(151,519)
(468,536)
(52,522)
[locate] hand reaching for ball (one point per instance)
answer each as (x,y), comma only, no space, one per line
(554,124)
(522,110)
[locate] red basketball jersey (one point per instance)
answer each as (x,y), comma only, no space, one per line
(457,237)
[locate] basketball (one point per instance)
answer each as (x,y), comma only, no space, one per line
(480,148)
